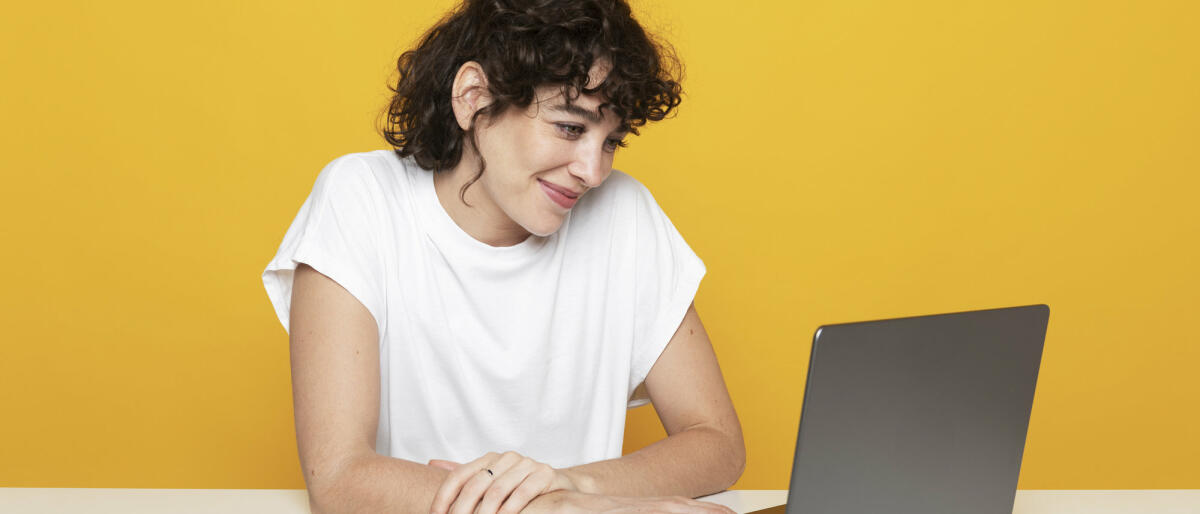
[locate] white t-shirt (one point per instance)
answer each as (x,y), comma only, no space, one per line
(536,348)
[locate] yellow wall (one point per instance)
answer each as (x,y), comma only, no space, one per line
(833,161)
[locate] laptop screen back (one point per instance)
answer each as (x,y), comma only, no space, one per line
(921,415)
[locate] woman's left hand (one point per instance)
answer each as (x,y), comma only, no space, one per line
(513,481)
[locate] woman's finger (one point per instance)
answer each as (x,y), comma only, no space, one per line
(473,490)
(444,464)
(453,483)
(504,485)
(710,507)
(533,486)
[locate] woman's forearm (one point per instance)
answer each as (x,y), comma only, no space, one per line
(692,463)
(377,483)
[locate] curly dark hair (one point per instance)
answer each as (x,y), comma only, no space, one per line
(521,45)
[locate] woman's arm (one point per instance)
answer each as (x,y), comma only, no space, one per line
(703,453)
(335,384)
(335,387)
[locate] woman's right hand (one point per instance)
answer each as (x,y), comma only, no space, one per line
(572,502)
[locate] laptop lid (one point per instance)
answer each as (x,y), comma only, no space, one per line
(920,415)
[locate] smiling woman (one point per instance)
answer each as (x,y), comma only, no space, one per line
(472,311)
(592,60)
(540,159)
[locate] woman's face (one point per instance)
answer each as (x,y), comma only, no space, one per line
(542,159)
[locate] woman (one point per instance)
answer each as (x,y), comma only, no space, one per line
(472,312)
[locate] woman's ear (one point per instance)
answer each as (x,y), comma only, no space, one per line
(469,93)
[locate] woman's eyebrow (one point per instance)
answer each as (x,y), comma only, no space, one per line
(591,116)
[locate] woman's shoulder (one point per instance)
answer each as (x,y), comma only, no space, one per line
(374,165)
(379,174)
(620,203)
(619,187)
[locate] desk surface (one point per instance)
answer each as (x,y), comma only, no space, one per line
(295,501)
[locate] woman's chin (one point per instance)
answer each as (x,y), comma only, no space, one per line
(545,227)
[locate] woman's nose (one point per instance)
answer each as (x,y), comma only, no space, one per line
(591,167)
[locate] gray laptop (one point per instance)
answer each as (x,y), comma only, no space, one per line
(922,415)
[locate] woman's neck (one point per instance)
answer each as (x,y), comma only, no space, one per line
(482,219)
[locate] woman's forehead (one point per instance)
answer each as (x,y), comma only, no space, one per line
(599,71)
(565,94)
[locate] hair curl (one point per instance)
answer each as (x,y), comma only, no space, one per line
(521,45)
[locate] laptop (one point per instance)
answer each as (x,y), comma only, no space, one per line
(920,415)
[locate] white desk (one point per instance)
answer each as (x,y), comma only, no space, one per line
(1149,501)
(14,500)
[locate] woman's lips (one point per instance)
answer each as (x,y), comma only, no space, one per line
(559,197)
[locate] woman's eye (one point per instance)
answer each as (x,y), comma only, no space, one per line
(570,130)
(613,144)
(574,131)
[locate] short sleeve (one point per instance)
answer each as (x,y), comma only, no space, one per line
(668,276)
(338,232)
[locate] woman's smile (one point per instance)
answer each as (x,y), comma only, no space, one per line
(562,196)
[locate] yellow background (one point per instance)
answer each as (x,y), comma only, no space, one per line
(831,162)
